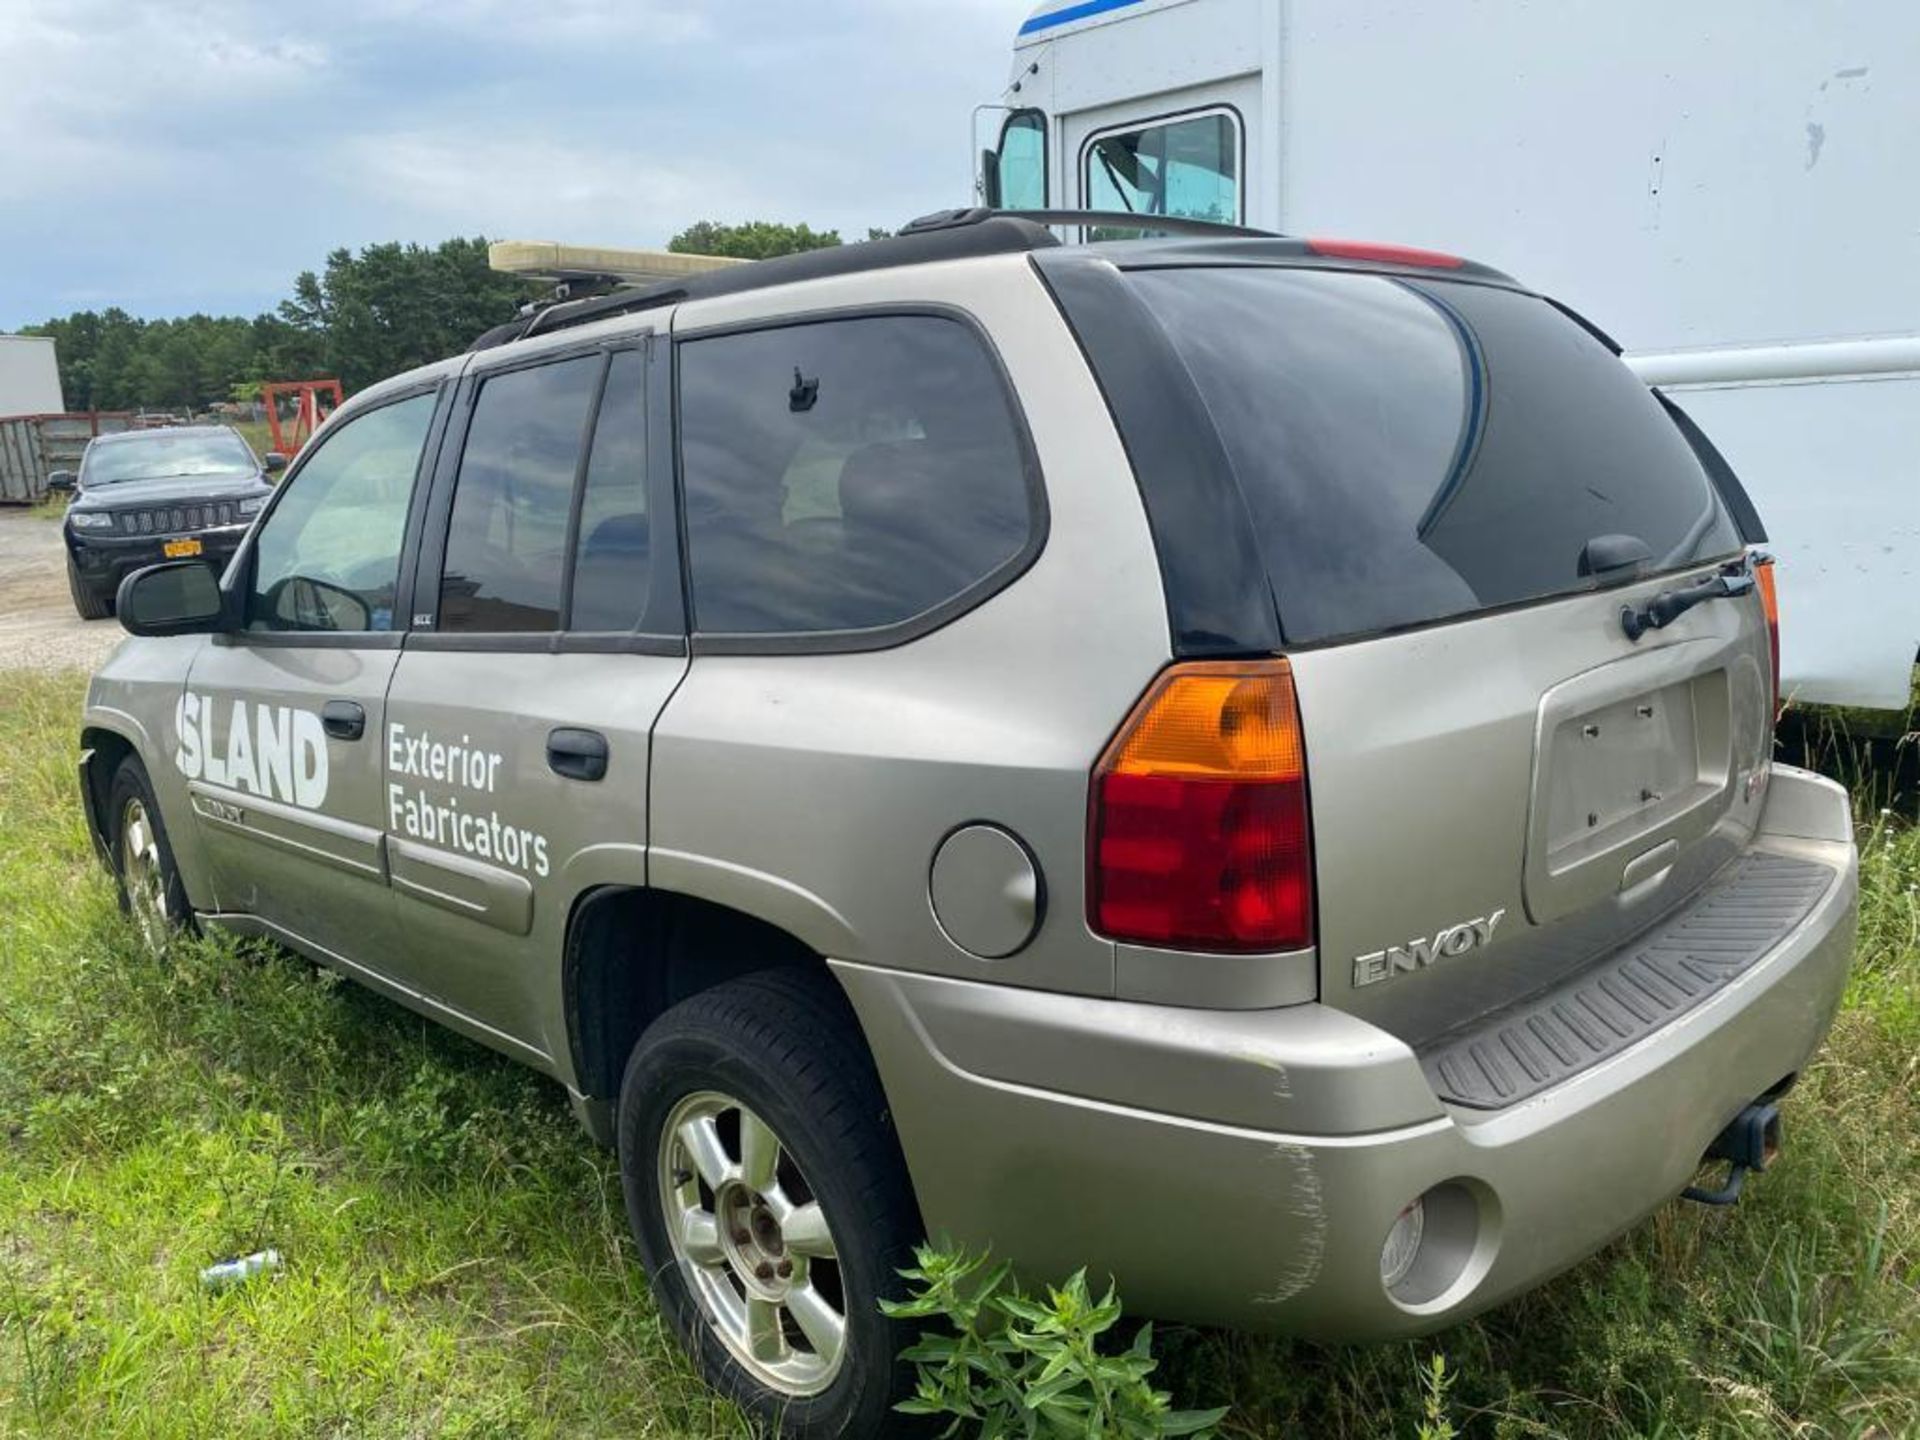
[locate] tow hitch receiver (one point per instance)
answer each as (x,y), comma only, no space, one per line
(1750,1142)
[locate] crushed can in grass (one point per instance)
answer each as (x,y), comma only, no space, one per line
(229,1273)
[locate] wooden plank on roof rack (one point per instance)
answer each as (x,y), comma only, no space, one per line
(550,260)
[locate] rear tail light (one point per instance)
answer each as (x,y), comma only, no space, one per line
(1763,577)
(1384,254)
(1199,836)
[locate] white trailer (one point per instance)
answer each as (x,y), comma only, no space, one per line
(1726,186)
(29,376)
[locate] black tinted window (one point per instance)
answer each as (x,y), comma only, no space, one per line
(615,545)
(1417,450)
(846,474)
(507,539)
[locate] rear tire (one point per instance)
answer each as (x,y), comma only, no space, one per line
(151,893)
(89,602)
(770,1202)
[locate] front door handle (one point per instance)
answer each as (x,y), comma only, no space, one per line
(343,719)
(577,754)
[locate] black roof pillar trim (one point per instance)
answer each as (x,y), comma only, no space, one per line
(1218,599)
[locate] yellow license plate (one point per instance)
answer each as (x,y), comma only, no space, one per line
(180,549)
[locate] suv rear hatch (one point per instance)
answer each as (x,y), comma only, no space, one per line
(1505,788)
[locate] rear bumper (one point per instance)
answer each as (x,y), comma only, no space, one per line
(1244,1168)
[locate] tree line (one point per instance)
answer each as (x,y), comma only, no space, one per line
(361,318)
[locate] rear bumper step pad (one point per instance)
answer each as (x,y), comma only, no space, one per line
(1519,1050)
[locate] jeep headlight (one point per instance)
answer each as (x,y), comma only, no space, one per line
(90,519)
(252,505)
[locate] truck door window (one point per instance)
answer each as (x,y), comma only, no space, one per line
(610,559)
(848,475)
(1023,161)
(328,556)
(1188,166)
(507,537)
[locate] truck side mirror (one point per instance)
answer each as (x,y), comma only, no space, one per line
(65,482)
(990,179)
(274,462)
(181,597)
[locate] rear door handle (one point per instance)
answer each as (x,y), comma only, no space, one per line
(577,754)
(343,719)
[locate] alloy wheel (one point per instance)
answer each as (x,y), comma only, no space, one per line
(143,875)
(753,1244)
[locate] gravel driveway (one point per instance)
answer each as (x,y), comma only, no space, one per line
(38,629)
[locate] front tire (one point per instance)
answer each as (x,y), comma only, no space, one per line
(90,603)
(770,1202)
(151,892)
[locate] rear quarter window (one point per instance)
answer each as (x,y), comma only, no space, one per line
(1412,450)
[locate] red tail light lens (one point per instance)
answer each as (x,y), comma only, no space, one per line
(1763,577)
(1384,254)
(1200,831)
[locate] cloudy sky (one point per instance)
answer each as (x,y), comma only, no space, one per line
(196,155)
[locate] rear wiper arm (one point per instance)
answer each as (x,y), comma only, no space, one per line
(1669,605)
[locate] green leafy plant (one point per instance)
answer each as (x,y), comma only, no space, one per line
(1015,1365)
(1436,1384)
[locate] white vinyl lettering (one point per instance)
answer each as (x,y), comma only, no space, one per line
(240,773)
(276,751)
(422,816)
(273,748)
(310,761)
(186,725)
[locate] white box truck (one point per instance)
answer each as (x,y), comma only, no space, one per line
(1724,186)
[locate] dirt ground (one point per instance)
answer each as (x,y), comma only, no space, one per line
(38,629)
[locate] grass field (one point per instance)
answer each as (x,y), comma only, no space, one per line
(457,1262)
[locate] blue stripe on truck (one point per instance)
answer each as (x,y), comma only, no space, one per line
(1072,13)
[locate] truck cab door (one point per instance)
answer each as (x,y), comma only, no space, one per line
(280,723)
(514,752)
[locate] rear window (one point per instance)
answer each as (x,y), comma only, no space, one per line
(1412,451)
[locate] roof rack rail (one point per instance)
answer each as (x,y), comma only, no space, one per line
(1114,219)
(993,234)
(944,235)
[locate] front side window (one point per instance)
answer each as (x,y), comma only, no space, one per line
(328,556)
(507,538)
(1023,161)
(847,474)
(1187,166)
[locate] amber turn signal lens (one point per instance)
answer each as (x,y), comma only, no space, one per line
(1763,576)
(1215,719)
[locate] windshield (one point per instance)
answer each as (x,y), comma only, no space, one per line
(1412,450)
(168,456)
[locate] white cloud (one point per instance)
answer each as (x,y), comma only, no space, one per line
(582,189)
(142,144)
(549,23)
(93,90)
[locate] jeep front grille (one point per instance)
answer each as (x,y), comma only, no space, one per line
(178,519)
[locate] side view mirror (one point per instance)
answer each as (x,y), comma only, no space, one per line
(990,179)
(181,597)
(63,481)
(273,462)
(301,602)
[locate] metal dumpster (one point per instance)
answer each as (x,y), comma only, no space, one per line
(32,447)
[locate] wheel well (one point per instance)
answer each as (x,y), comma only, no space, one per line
(109,749)
(632,954)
